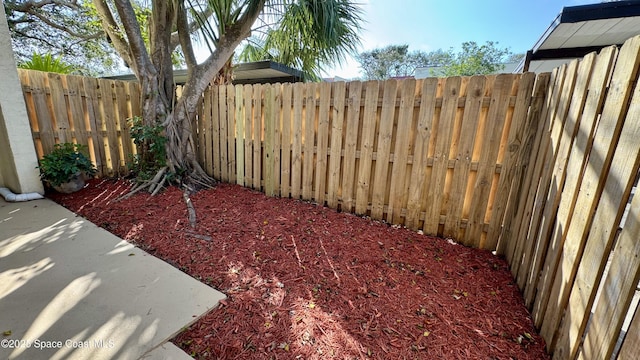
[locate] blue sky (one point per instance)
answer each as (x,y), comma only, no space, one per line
(429,25)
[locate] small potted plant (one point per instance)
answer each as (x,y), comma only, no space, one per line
(66,168)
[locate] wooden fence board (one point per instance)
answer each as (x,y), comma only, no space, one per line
(46,125)
(323,142)
(513,148)
(76,111)
(401,152)
(549,186)
(205,132)
(308,140)
(231,137)
(285,186)
(133,91)
(383,149)
(488,155)
(520,254)
(631,344)
(423,134)
(125,146)
(335,157)
(217,150)
(61,120)
(444,130)
(247,96)
(296,157)
(240,135)
(269,140)
(350,145)
(109,125)
(369,121)
(95,122)
(224,134)
(537,197)
(507,242)
(257,136)
(472,108)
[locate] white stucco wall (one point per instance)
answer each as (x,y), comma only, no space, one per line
(18,159)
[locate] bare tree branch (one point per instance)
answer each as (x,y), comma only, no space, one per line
(138,49)
(185,38)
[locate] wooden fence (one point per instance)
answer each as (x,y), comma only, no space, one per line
(433,154)
(565,226)
(537,168)
(88,111)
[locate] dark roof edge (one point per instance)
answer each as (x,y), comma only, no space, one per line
(608,10)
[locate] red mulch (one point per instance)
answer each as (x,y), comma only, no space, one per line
(307,282)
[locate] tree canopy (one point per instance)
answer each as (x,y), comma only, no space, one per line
(68,29)
(398,61)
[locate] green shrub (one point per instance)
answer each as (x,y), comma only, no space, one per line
(64,163)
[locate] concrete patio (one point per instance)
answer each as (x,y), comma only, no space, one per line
(71,290)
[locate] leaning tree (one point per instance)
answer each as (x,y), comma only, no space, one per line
(329,27)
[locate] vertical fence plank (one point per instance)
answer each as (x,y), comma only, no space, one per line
(508,242)
(421,147)
(296,152)
(231,133)
(216,135)
(122,126)
(95,123)
(350,144)
(240,134)
(287,118)
(535,201)
(369,120)
(462,166)
(444,131)
(205,131)
(58,102)
(401,152)
(488,156)
(247,93)
(37,82)
(631,344)
(109,125)
(269,140)
(308,140)
(323,142)
(76,111)
(384,148)
(335,157)
(514,145)
(257,136)
(557,226)
(224,134)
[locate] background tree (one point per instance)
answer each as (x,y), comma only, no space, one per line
(396,61)
(67,29)
(472,59)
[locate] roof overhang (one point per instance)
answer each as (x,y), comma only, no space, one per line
(259,72)
(579,30)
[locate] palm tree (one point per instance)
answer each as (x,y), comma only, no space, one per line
(304,33)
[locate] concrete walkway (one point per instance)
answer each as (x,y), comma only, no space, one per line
(71,290)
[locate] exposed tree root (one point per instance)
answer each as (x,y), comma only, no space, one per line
(190,208)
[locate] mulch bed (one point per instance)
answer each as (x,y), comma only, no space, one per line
(306,282)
